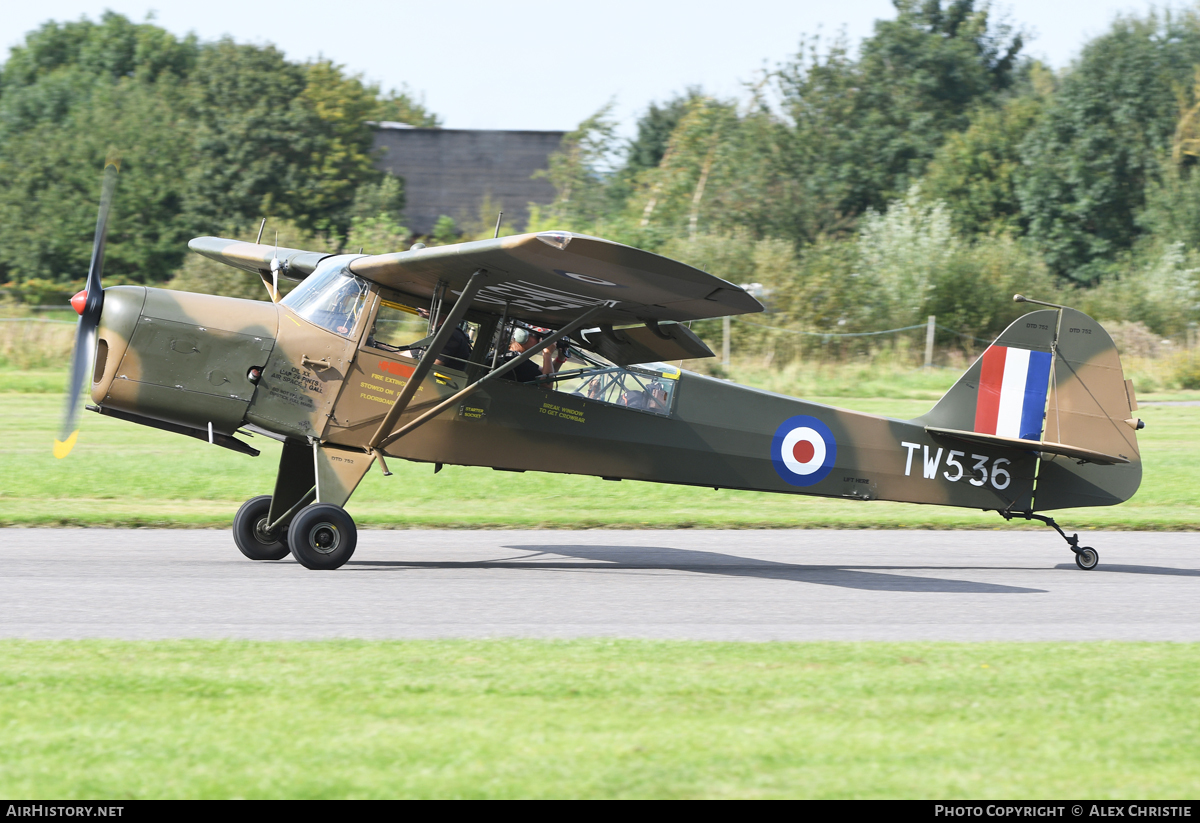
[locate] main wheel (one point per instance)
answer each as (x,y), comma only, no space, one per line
(322,536)
(1086,558)
(250,534)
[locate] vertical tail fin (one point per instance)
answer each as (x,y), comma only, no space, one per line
(1053,377)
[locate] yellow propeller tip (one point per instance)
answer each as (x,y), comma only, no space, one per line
(63,447)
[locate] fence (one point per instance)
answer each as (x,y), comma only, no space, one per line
(836,345)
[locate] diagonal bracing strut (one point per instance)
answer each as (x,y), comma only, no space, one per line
(494,373)
(440,338)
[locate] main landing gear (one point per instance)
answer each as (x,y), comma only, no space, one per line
(1086,557)
(320,536)
(251,535)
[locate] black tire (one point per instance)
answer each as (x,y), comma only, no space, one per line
(248,532)
(1086,558)
(322,536)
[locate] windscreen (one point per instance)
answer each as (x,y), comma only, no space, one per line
(331,297)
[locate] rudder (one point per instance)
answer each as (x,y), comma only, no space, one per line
(1052,382)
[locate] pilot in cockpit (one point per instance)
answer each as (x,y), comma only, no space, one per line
(342,307)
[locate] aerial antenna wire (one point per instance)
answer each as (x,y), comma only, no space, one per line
(261,226)
(274,267)
(499,217)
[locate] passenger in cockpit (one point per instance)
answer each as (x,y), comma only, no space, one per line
(634,399)
(657,397)
(522,341)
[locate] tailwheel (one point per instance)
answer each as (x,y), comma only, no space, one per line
(251,535)
(1086,558)
(322,536)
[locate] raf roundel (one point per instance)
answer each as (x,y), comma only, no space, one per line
(803,450)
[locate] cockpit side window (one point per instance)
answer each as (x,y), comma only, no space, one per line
(396,325)
(648,387)
(331,297)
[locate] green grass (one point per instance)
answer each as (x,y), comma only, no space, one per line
(509,718)
(125,475)
(492,719)
(33,381)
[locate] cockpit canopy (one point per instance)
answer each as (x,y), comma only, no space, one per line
(331,297)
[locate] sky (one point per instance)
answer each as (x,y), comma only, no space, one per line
(532,64)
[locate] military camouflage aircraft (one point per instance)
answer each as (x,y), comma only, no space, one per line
(355,366)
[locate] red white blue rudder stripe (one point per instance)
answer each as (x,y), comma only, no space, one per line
(803,450)
(1012,392)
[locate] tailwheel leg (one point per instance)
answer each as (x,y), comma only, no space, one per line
(1086,557)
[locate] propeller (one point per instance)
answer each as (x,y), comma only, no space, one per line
(88,303)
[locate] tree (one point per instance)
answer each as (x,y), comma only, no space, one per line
(385,198)
(975,171)
(340,146)
(672,193)
(863,130)
(580,171)
(212,137)
(654,129)
(70,95)
(50,185)
(251,142)
(404,107)
(1090,157)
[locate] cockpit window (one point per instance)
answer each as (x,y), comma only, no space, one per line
(331,297)
(396,325)
(649,387)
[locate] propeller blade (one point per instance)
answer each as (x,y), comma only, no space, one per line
(81,359)
(95,292)
(89,318)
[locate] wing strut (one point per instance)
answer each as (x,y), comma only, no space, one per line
(578,322)
(440,339)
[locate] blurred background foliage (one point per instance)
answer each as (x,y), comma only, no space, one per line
(932,169)
(211,138)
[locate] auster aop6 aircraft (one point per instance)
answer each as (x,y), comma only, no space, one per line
(1043,420)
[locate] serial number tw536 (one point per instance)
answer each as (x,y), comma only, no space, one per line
(980,474)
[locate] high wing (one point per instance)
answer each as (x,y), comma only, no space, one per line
(548,278)
(295,264)
(545,279)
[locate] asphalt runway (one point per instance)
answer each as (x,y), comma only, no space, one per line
(691,584)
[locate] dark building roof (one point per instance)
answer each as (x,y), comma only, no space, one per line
(451,171)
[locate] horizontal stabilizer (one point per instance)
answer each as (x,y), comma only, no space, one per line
(648,344)
(1077,452)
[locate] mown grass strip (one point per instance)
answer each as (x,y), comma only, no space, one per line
(597,718)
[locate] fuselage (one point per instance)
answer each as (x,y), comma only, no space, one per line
(200,361)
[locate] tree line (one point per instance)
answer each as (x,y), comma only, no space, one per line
(210,137)
(933,168)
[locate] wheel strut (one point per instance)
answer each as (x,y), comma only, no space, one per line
(1085,556)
